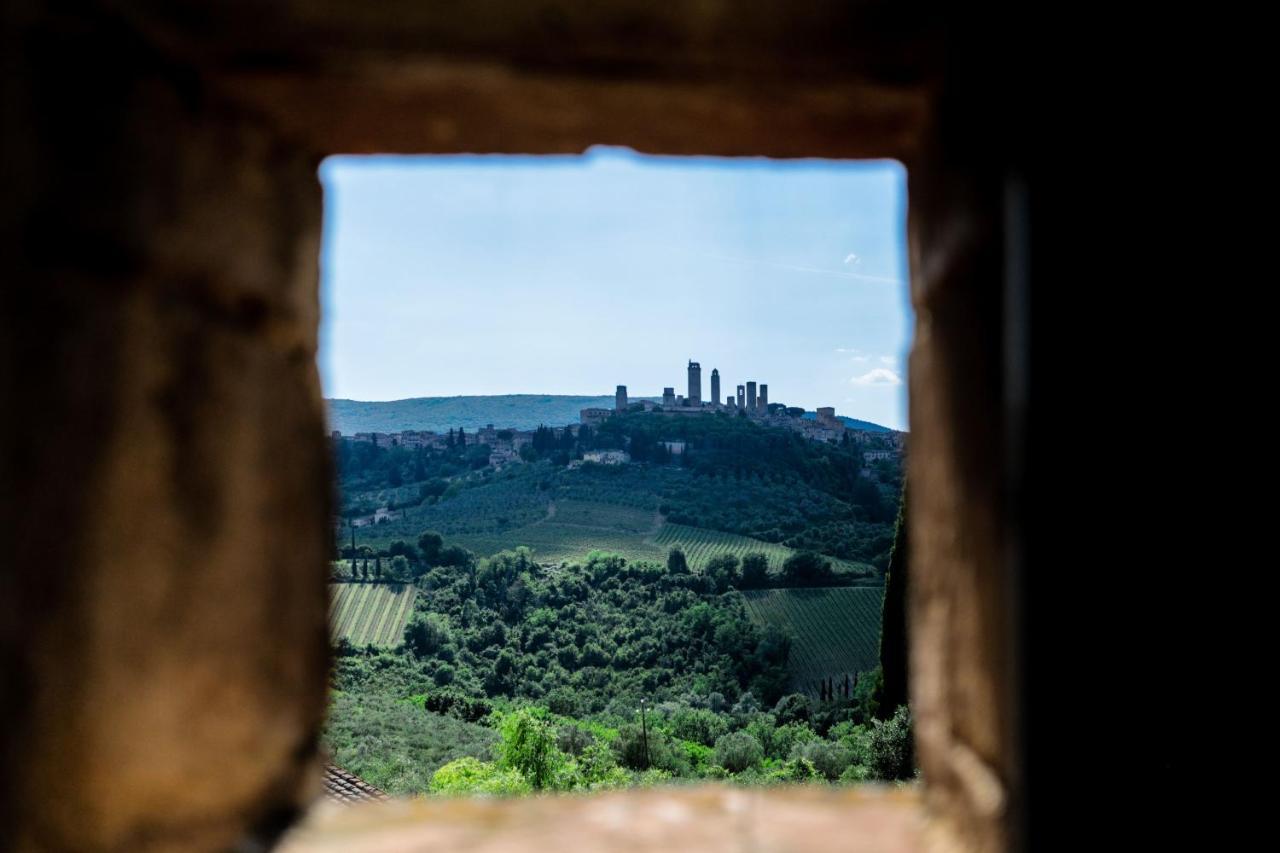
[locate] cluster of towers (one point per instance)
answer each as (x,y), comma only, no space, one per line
(746,400)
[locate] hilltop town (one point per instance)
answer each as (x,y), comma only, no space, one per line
(746,402)
(751,400)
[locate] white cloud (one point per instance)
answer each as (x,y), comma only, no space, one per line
(878,376)
(851,258)
(888,359)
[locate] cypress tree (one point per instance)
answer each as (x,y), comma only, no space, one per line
(894,634)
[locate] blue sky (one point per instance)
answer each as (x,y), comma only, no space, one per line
(495,274)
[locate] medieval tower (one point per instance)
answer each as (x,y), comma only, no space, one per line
(764,399)
(751,397)
(694,397)
(715,387)
(620,399)
(742,396)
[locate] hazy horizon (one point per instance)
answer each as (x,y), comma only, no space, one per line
(467,276)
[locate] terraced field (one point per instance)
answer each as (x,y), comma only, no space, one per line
(834,630)
(700,546)
(367,613)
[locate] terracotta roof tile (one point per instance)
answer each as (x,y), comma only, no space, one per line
(343,787)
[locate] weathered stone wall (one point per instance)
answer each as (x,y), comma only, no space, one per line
(165,479)
(164,484)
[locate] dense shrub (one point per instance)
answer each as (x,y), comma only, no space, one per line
(893,747)
(468,776)
(829,759)
(738,751)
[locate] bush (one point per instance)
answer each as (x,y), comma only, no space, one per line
(629,747)
(893,747)
(792,708)
(528,745)
(469,776)
(738,751)
(427,633)
(829,759)
(787,738)
(699,726)
(795,770)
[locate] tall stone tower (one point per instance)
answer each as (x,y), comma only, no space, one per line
(715,387)
(751,397)
(668,396)
(694,397)
(620,399)
(742,396)
(764,399)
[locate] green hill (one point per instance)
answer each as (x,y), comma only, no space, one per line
(520,411)
(440,414)
(773,490)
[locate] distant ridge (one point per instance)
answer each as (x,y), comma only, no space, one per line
(440,414)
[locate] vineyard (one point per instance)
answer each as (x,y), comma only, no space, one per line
(369,613)
(834,631)
(700,546)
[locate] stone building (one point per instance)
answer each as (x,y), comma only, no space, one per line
(715,387)
(620,399)
(668,396)
(594,416)
(607,457)
(694,397)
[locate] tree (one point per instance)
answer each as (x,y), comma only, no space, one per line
(723,573)
(528,745)
(893,621)
(429,545)
(400,567)
(738,751)
(401,548)
(676,562)
(755,571)
(893,746)
(427,633)
(806,568)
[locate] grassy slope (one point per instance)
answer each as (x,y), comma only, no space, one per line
(834,630)
(392,743)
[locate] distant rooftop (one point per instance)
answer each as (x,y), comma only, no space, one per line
(348,788)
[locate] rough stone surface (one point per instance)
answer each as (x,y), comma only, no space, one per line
(165,476)
(708,818)
(164,480)
(963,677)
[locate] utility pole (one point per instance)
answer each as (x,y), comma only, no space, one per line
(644,731)
(353,549)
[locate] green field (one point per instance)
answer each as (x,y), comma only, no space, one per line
(700,546)
(573,528)
(370,613)
(834,630)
